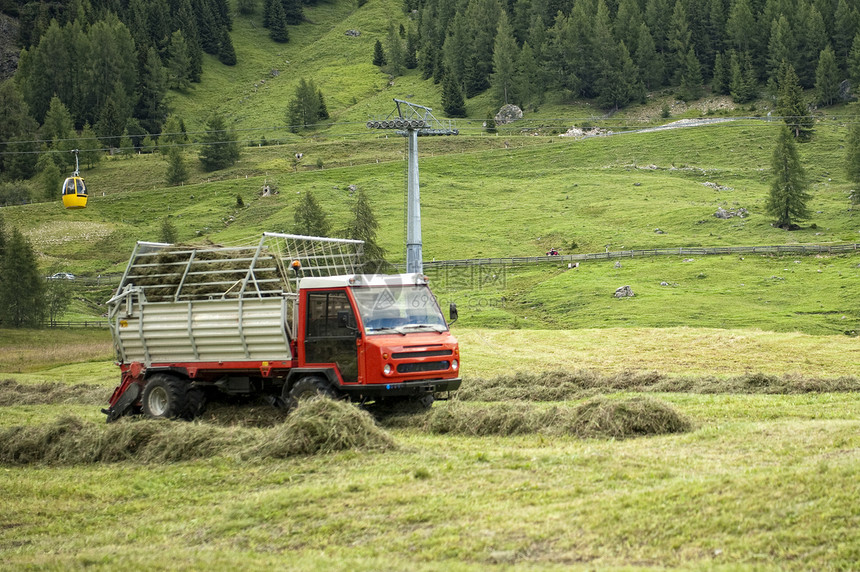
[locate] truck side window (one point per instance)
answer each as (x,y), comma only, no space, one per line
(323,310)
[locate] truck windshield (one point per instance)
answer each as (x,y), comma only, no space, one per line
(401,309)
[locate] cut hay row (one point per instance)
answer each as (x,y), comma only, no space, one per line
(14,393)
(571,385)
(599,417)
(317,426)
(320,426)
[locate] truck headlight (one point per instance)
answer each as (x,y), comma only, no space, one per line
(387,369)
(455,364)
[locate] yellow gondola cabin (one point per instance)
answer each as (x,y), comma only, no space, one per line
(74,189)
(74,193)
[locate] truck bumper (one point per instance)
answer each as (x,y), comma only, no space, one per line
(407,388)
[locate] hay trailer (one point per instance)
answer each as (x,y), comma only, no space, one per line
(288,317)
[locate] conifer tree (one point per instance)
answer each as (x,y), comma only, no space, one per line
(226,51)
(364,226)
(852,153)
(177,172)
(648,61)
(504,61)
(395,52)
(307,106)
(854,63)
(691,77)
(219,148)
(722,78)
(310,218)
(379,54)
(788,198)
(452,97)
(278,23)
(22,301)
(827,77)
(178,62)
(790,104)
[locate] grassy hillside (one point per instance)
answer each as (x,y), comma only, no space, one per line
(515,193)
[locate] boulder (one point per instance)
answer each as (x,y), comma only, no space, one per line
(624,292)
(507,114)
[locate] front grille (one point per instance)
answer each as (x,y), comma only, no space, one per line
(433,353)
(423,366)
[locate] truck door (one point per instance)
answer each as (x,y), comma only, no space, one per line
(330,332)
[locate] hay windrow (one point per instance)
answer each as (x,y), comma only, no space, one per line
(317,426)
(579,384)
(599,417)
(14,393)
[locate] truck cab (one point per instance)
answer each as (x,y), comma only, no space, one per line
(378,335)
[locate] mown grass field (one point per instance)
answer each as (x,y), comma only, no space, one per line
(763,478)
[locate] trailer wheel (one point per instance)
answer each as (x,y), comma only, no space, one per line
(306,388)
(164,396)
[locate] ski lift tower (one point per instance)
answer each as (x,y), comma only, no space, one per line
(412,120)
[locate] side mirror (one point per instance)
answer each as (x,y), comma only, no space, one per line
(452,311)
(343,320)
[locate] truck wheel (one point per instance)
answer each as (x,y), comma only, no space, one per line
(195,404)
(306,388)
(164,396)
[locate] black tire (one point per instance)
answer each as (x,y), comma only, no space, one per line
(307,387)
(195,404)
(404,405)
(164,396)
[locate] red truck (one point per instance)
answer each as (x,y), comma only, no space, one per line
(289,317)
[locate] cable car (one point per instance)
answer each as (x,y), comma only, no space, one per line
(74,189)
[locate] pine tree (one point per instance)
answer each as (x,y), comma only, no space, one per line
(307,106)
(722,75)
(691,77)
(278,23)
(177,172)
(827,77)
(219,148)
(168,232)
(852,154)
(743,85)
(788,198)
(178,62)
(504,61)
(411,59)
(490,123)
(781,47)
(226,51)
(854,62)
(395,52)
(648,61)
(89,146)
(364,226)
(790,104)
(679,43)
(452,97)
(151,109)
(22,302)
(379,54)
(846,25)
(310,218)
